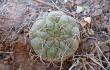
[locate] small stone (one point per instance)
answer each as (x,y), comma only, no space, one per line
(90,31)
(97,12)
(78,2)
(87,19)
(97,6)
(79,9)
(65,1)
(106,18)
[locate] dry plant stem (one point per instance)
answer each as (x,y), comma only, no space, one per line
(41,59)
(20,68)
(84,64)
(55,4)
(101,43)
(102,53)
(7,34)
(94,60)
(46,4)
(62,60)
(90,66)
(53,7)
(73,66)
(6,52)
(99,56)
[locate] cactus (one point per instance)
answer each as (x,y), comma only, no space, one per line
(54,36)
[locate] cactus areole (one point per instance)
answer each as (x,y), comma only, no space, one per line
(54,36)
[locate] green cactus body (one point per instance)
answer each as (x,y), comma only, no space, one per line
(54,36)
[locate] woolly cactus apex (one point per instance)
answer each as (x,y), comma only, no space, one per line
(55,36)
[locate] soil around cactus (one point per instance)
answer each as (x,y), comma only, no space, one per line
(17,17)
(39,34)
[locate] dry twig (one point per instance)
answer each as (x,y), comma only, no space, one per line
(46,4)
(53,7)
(6,52)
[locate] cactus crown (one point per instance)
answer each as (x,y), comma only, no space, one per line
(54,36)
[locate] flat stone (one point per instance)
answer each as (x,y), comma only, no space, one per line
(97,12)
(78,2)
(79,9)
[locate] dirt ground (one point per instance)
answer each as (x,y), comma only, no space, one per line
(17,17)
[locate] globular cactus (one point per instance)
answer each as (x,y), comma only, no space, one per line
(55,36)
